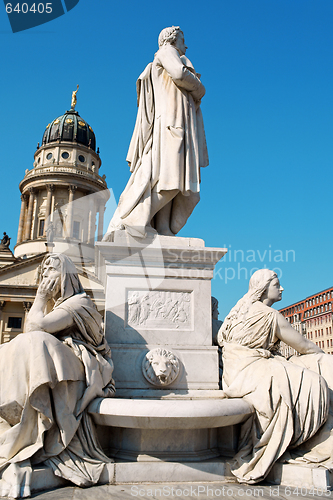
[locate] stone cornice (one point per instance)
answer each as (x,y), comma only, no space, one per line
(52,172)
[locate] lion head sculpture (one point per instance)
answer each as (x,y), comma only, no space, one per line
(160,367)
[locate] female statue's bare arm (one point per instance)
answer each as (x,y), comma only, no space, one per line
(294,339)
(53,322)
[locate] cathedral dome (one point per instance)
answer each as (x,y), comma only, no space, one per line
(70,127)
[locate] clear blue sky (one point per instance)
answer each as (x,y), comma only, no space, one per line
(268,112)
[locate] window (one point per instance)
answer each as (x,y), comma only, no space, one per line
(41,227)
(65,155)
(14,323)
(76,230)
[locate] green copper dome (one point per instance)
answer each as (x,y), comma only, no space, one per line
(72,128)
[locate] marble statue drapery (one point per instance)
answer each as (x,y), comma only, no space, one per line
(46,383)
(291,398)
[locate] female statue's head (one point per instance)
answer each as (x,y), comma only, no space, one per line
(267,287)
(51,273)
(60,267)
(259,283)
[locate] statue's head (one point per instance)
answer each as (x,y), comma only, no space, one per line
(260,281)
(60,268)
(51,270)
(173,36)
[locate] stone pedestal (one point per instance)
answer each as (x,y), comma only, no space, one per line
(158,296)
(158,323)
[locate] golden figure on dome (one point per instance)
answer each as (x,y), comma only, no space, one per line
(74,98)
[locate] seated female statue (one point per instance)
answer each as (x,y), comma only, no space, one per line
(291,398)
(49,375)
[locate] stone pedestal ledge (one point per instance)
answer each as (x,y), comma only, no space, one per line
(169,414)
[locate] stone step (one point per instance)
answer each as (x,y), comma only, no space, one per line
(216,470)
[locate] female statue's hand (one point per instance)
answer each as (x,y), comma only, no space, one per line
(48,287)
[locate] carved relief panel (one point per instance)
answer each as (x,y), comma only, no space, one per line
(159,309)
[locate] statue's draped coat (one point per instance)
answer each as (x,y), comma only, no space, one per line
(168,145)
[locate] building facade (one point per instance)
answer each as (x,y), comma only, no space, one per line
(63,201)
(312,317)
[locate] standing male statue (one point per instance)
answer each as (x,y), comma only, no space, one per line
(168,145)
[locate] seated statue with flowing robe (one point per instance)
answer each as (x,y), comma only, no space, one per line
(168,145)
(292,399)
(48,376)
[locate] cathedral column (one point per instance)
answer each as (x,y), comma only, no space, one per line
(91,222)
(22,215)
(85,232)
(29,216)
(72,190)
(2,305)
(100,222)
(50,188)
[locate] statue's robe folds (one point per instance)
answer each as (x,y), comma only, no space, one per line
(46,383)
(168,145)
(291,398)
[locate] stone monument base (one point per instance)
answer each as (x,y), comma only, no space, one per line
(216,470)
